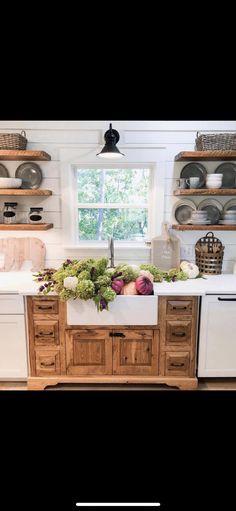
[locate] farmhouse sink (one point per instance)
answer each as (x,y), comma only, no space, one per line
(124,310)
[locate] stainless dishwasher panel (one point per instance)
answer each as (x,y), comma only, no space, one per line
(217,336)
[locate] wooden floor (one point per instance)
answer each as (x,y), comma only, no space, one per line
(204,384)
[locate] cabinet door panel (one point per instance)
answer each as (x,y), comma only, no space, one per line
(88,352)
(135,352)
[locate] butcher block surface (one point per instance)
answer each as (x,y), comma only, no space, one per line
(17,251)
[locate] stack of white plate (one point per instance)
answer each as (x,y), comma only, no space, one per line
(228,217)
(199,218)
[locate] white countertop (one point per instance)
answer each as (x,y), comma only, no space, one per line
(22,282)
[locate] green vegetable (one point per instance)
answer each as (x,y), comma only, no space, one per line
(128,274)
(85,289)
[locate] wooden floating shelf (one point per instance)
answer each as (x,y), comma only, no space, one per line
(25,227)
(24,155)
(21,191)
(205,191)
(207,227)
(205,155)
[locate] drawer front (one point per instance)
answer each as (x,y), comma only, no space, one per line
(46,333)
(178,332)
(177,364)
(179,306)
(41,306)
(11,304)
(47,363)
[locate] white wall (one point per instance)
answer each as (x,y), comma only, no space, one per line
(147,138)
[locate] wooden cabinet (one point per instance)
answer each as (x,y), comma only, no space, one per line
(95,351)
(88,352)
(178,329)
(46,322)
(158,354)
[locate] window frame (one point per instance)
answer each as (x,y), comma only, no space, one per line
(109,205)
(82,157)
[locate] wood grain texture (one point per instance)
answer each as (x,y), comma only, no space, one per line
(205,191)
(88,352)
(19,191)
(178,320)
(25,227)
(205,155)
(24,155)
(208,227)
(18,250)
(136,352)
(182,383)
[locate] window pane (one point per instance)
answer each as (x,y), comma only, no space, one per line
(122,224)
(113,185)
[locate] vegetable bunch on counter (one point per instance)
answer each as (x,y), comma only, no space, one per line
(92,279)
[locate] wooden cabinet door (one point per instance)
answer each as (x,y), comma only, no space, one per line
(88,352)
(135,352)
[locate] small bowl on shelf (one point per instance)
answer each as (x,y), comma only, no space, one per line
(10,182)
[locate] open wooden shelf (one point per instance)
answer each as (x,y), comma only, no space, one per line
(207,227)
(21,191)
(205,191)
(25,227)
(205,155)
(23,155)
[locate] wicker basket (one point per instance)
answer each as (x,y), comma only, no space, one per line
(13,141)
(209,253)
(216,142)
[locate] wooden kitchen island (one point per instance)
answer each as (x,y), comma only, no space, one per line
(153,354)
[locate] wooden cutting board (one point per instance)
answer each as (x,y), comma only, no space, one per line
(18,250)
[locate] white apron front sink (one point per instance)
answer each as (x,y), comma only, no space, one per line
(124,310)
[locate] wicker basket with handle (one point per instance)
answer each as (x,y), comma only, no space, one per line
(216,142)
(15,141)
(209,253)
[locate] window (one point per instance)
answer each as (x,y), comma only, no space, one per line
(112,202)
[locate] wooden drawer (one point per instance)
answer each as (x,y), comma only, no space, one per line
(41,306)
(177,364)
(46,333)
(47,363)
(179,306)
(178,332)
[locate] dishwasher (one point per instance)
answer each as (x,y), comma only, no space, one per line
(13,348)
(217,336)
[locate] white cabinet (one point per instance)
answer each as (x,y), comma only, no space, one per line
(13,351)
(217,340)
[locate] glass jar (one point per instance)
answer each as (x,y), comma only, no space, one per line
(9,212)
(35,215)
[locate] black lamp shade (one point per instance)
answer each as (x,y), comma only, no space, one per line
(110,150)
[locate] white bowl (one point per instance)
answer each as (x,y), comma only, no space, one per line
(215,184)
(10,182)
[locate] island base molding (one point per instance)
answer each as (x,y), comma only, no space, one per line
(181,382)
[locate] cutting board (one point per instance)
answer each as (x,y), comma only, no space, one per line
(16,251)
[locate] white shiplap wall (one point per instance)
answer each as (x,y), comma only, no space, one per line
(146,136)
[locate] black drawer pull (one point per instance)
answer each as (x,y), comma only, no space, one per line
(116,334)
(49,364)
(174,364)
(179,334)
(227,299)
(44,334)
(45,307)
(180,307)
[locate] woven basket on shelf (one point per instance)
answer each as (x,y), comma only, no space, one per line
(17,141)
(216,142)
(209,253)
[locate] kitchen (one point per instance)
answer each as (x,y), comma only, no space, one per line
(146,145)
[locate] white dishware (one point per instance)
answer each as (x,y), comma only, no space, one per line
(193,182)
(10,182)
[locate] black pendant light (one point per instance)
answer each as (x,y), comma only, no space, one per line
(110,150)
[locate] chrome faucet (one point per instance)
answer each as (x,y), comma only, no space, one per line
(111,248)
